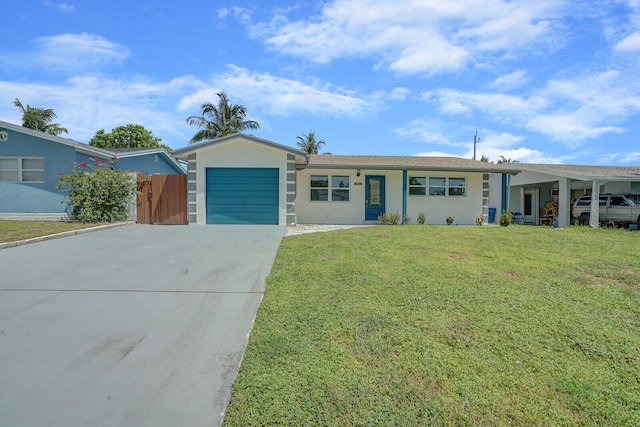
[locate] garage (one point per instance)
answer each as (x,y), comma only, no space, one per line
(242,195)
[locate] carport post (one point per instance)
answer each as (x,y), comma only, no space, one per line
(404,195)
(504,193)
(594,212)
(564,202)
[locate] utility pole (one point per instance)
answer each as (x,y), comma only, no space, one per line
(475,142)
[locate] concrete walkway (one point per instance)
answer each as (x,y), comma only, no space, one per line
(129,326)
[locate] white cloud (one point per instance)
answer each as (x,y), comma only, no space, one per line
(510,81)
(569,110)
(495,145)
(630,43)
(399,93)
(223,12)
(69,52)
(424,130)
(86,103)
(625,157)
(283,97)
(411,37)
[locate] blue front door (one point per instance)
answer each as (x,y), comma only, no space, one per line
(374,197)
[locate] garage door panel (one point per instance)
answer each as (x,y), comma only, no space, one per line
(242,196)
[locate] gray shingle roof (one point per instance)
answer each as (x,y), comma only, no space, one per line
(586,173)
(317,161)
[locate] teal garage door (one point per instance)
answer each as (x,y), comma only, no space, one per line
(242,195)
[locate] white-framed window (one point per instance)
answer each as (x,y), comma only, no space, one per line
(21,169)
(417,186)
(457,186)
(437,186)
(329,188)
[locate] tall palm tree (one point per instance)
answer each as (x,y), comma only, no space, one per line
(308,143)
(39,119)
(220,120)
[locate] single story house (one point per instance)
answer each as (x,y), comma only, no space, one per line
(530,186)
(242,179)
(30,162)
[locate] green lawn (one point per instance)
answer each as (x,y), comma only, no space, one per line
(12,231)
(464,326)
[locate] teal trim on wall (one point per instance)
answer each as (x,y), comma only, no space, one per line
(404,193)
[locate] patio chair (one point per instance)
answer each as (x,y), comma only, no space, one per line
(548,214)
(517,218)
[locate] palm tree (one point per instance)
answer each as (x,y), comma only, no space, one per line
(309,144)
(39,119)
(225,119)
(503,159)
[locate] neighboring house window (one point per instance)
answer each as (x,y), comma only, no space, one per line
(22,169)
(339,191)
(417,185)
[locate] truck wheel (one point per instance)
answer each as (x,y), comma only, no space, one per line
(584,219)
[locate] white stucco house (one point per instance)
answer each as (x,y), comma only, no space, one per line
(241,179)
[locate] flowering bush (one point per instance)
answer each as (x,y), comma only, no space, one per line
(505,218)
(480,219)
(97,191)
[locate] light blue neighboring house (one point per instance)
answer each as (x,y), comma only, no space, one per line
(31,161)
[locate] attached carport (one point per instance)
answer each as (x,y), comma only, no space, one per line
(562,183)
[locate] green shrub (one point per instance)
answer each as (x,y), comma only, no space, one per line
(394,218)
(421,218)
(383,219)
(450,219)
(505,218)
(97,191)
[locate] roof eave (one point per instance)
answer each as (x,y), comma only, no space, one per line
(181,152)
(406,167)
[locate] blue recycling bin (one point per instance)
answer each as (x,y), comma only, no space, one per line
(492,215)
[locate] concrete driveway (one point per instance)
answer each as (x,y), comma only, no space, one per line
(137,325)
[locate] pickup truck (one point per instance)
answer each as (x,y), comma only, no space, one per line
(618,209)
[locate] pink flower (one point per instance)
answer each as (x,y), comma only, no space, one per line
(97,161)
(83,164)
(117,159)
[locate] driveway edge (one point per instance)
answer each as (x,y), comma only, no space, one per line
(63,234)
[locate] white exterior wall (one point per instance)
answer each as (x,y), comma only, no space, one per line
(436,209)
(351,212)
(239,153)
(465,209)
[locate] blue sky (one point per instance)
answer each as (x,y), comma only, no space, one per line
(547,81)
